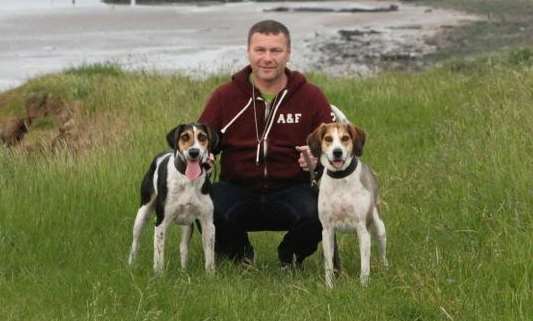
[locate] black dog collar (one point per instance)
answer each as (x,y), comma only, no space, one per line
(344,173)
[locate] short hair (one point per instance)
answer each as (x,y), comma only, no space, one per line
(269,27)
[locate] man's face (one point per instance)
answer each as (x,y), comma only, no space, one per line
(268,55)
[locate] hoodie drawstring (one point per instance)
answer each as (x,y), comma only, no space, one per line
(268,126)
(223,130)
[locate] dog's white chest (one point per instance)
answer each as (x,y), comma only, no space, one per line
(343,203)
(185,202)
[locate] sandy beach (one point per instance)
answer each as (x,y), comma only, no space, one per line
(200,40)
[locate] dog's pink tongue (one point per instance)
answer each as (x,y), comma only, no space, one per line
(193,170)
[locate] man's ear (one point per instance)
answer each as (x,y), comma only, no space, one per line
(358,139)
(314,140)
(173,135)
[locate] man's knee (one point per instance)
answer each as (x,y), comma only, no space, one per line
(303,201)
(227,198)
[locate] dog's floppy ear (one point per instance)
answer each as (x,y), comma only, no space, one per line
(172,136)
(314,140)
(213,137)
(358,138)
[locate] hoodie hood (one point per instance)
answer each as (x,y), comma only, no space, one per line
(295,80)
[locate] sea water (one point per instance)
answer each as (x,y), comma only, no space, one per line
(20,5)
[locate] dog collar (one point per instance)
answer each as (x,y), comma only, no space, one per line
(344,173)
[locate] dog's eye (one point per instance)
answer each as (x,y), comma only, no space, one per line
(185,137)
(345,138)
(328,139)
(202,138)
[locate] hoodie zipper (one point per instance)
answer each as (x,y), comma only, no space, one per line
(268,110)
(269,122)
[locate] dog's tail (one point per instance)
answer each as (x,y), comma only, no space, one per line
(340,117)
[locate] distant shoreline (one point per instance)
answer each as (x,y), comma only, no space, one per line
(163,2)
(156,2)
(200,40)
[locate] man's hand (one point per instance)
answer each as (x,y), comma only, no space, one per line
(210,163)
(307,161)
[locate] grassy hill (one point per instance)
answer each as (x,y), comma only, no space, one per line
(452,147)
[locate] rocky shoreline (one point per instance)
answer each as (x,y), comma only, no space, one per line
(369,49)
(366,51)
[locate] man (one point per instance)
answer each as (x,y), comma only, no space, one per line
(264,115)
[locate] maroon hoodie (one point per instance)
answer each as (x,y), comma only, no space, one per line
(295,112)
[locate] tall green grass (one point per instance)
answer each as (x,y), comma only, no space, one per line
(452,149)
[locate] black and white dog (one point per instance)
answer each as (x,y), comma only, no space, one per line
(176,188)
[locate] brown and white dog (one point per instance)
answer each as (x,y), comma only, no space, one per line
(176,187)
(348,193)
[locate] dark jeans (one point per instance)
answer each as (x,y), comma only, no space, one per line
(239,210)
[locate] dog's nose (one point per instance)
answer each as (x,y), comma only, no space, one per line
(194,152)
(337,153)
